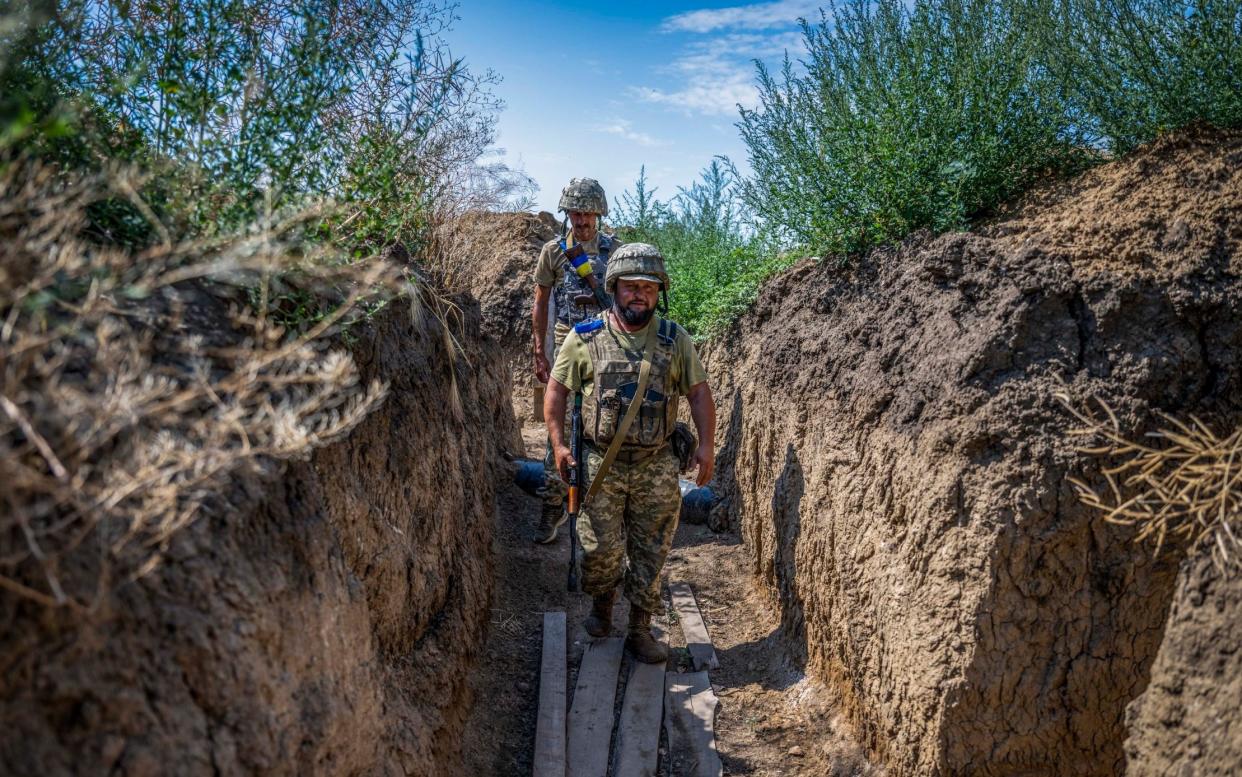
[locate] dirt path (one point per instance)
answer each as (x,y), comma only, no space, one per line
(772,719)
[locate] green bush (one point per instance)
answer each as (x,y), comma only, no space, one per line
(715,257)
(235,108)
(905,116)
(1136,68)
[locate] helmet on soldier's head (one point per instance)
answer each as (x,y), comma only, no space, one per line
(636,261)
(584,195)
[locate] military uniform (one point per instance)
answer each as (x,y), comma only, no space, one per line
(554,271)
(627,528)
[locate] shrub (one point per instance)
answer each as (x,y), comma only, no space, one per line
(715,258)
(905,116)
(1136,68)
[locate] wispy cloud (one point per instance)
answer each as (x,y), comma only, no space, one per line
(717,74)
(756,16)
(624,128)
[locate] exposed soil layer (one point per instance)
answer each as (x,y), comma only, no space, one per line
(1186,722)
(321,623)
(896,463)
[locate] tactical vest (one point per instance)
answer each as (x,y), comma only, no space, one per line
(616,381)
(572,285)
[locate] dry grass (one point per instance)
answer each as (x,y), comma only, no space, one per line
(1183,484)
(134,386)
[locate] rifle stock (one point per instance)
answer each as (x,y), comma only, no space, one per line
(575,492)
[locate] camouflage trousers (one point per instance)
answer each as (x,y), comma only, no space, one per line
(628,528)
(554,489)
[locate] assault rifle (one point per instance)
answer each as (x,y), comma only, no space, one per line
(577,256)
(576,470)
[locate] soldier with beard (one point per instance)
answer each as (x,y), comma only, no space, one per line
(626,526)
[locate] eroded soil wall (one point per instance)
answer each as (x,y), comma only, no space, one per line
(1186,722)
(322,623)
(896,463)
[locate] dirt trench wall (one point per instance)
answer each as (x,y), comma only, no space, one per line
(896,464)
(1186,722)
(321,624)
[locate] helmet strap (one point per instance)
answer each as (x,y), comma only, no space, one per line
(663,306)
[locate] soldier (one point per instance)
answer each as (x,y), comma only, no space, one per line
(627,526)
(584,204)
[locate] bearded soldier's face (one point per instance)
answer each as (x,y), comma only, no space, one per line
(584,223)
(636,300)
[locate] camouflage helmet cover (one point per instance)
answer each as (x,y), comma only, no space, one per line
(636,261)
(584,195)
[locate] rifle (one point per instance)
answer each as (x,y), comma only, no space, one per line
(577,256)
(575,486)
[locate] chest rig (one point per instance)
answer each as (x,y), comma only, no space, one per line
(615,380)
(574,286)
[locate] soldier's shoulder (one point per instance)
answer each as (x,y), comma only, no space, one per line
(552,246)
(669,331)
(612,240)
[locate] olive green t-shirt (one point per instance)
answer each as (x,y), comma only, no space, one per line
(573,362)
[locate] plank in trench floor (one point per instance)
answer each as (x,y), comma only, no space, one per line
(638,732)
(591,716)
(690,720)
(702,654)
(550,727)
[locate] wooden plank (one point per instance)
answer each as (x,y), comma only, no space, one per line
(698,643)
(690,720)
(591,716)
(638,733)
(550,728)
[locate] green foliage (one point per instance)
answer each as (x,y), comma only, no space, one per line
(905,116)
(715,258)
(1136,68)
(238,108)
(926,115)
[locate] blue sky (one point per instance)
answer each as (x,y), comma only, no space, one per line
(599,89)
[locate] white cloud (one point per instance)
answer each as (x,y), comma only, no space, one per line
(717,75)
(624,128)
(756,16)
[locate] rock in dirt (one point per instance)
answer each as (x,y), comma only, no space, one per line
(896,464)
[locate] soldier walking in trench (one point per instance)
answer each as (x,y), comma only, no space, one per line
(629,516)
(556,277)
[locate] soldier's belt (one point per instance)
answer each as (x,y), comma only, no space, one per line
(629,455)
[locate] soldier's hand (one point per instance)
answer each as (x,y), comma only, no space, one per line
(542,368)
(564,460)
(705,460)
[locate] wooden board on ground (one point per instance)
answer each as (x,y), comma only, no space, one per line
(550,728)
(698,643)
(690,720)
(590,718)
(638,733)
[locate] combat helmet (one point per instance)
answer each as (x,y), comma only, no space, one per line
(584,195)
(636,261)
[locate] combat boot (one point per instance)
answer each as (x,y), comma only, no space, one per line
(550,520)
(639,640)
(599,622)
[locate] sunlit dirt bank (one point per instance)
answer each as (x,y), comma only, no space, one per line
(319,623)
(896,464)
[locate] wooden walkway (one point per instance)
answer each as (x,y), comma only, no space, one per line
(595,739)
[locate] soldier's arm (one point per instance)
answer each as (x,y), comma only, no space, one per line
(554,401)
(539,328)
(703,411)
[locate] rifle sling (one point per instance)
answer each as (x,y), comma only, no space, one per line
(644,377)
